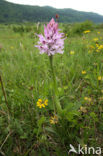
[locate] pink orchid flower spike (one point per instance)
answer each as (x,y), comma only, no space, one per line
(52,42)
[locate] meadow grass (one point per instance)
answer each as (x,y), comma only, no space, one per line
(26,77)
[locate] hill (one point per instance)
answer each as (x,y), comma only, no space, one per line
(11,13)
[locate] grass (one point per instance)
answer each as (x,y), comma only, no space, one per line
(26,77)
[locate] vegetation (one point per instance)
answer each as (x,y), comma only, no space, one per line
(28,124)
(78,28)
(11,13)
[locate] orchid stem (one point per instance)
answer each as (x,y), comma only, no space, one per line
(57,105)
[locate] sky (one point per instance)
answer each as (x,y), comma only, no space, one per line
(82,5)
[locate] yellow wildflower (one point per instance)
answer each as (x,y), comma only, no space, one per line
(83,109)
(83,72)
(86,31)
(41,104)
(97,50)
(100,78)
(95,39)
(98,32)
(46,102)
(54,119)
(12,47)
(72,52)
(87,99)
(100,47)
(39,100)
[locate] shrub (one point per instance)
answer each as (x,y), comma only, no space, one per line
(78,28)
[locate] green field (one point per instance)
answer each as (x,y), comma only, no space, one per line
(26,129)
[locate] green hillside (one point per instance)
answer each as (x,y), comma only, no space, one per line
(10,12)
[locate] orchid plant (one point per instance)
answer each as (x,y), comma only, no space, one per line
(52,42)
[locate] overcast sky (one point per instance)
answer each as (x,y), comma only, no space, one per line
(82,5)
